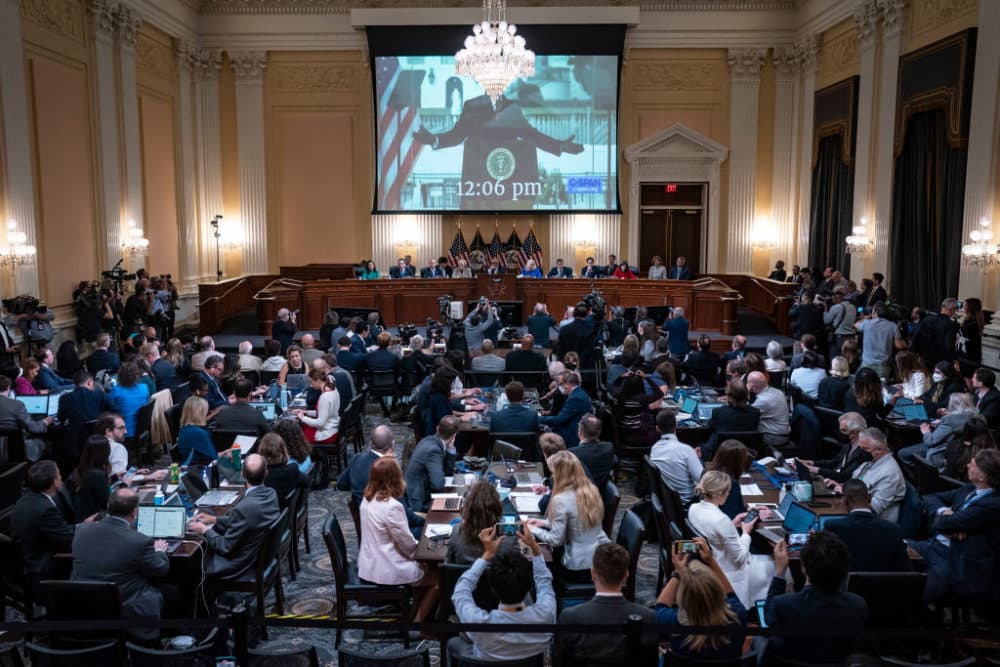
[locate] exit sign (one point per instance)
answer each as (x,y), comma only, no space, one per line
(671,187)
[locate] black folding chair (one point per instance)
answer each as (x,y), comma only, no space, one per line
(353,657)
(631,536)
(306,657)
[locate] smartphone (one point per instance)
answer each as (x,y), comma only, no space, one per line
(685,547)
(751,516)
(797,540)
(861,310)
(508,529)
(131,471)
(760,612)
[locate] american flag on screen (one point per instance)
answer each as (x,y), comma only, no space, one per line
(458,250)
(398,119)
(530,249)
(497,249)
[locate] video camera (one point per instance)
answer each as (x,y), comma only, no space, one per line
(117,273)
(594,300)
(24,304)
(406,332)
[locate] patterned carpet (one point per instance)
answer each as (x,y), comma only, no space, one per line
(313,593)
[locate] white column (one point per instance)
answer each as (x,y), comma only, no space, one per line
(786,134)
(102,20)
(209,162)
(866,20)
(187,204)
(18,182)
(422,232)
(744,67)
(980,175)
(249,68)
(891,13)
(808,50)
(128,30)
(601,231)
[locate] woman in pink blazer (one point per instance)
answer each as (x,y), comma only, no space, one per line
(386,555)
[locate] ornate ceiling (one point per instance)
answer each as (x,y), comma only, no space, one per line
(344,6)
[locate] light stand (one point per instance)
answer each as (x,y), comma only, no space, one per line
(218,255)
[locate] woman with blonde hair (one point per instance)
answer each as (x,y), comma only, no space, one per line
(834,387)
(574,516)
(193,440)
(730,538)
(701,595)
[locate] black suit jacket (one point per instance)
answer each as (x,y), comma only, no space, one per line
(165,374)
(989,407)
(728,418)
(285,479)
(516,417)
(80,406)
(100,360)
(679,273)
(812,608)
(40,531)
(832,391)
(241,417)
(598,459)
(109,550)
(590,271)
(381,360)
(234,540)
(355,476)
(524,361)
(807,319)
(577,336)
(842,466)
(565,272)
(568,648)
(876,545)
(394,272)
(973,566)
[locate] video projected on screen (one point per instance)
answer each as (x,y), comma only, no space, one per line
(548,144)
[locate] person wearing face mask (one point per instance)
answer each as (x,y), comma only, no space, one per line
(945,381)
(842,466)
(566,422)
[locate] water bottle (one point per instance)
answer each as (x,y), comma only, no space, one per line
(782,492)
(284,398)
(205,477)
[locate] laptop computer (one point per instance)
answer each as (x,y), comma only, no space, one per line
(778,512)
(825,520)
(37,406)
(688,409)
(296,381)
(819,488)
(522,478)
(266,408)
(914,412)
(798,519)
(54,403)
(162,522)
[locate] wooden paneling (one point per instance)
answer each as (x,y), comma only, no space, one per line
(767,298)
(222,301)
(318,272)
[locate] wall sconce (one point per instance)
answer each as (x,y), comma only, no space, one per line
(17,253)
(135,244)
(859,244)
(762,236)
(982,253)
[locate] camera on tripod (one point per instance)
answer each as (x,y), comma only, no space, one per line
(24,304)
(406,332)
(594,300)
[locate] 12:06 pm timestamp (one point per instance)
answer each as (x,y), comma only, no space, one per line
(514,190)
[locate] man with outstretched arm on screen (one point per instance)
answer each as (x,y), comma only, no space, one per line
(499,160)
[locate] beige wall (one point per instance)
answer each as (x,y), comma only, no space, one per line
(232,260)
(319,149)
(927,21)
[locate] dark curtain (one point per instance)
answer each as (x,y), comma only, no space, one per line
(831,211)
(927,203)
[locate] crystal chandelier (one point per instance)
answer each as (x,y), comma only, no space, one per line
(982,253)
(494,55)
(859,243)
(135,244)
(17,253)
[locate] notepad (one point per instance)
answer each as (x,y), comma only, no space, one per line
(245,443)
(438,530)
(750,490)
(528,504)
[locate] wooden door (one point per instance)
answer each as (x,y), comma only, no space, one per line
(652,238)
(685,238)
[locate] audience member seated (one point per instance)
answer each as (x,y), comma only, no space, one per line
(207,349)
(38,527)
(833,389)
(47,378)
(609,572)
(700,594)
(283,474)
(737,350)
(807,343)
(24,384)
(233,539)
(299,450)
(841,467)
(433,458)
(573,519)
(294,365)
(679,464)
(821,605)
(730,538)
(945,381)
(808,376)
(210,379)
(850,351)
(111,550)
(488,361)
(14,416)
(510,576)
(525,360)
(354,477)
(248,360)
(439,402)
(975,437)
(703,363)
(773,408)
(876,545)
(963,556)
(736,414)
(598,458)
(321,426)
(241,416)
(101,359)
(566,421)
(865,397)
(129,395)
(344,381)
(273,361)
(89,482)
(639,399)
(382,360)
(194,440)
(935,440)
(733,458)
(774,362)
(310,352)
(481,510)
(516,416)
(912,376)
(882,475)
(987,396)
(386,555)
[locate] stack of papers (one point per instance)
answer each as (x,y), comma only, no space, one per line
(438,530)
(751,489)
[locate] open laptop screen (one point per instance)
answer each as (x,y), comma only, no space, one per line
(35,405)
(161,522)
(799,519)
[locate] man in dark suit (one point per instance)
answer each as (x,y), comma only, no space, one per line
(560,270)
(807,318)
(382,360)
(986,396)
(820,605)
(680,271)
(841,467)
(433,458)
(163,371)
(76,409)
(500,143)
(590,269)
(346,357)
(402,270)
(354,478)
(778,273)
(936,337)
(101,359)
(598,458)
(110,550)
(38,527)
(566,422)
(241,416)
(433,270)
(703,363)
(13,416)
(963,557)
(526,360)
(578,336)
(210,375)
(609,571)
(495,269)
(877,292)
(736,414)
(234,539)
(516,417)
(876,545)
(737,351)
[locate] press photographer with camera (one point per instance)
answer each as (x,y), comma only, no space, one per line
(482,318)
(92,308)
(582,334)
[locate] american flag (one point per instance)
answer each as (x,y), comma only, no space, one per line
(497,249)
(530,249)
(458,249)
(513,247)
(398,119)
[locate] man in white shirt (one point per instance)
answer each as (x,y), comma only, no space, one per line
(112,426)
(248,360)
(569,317)
(679,464)
(773,406)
